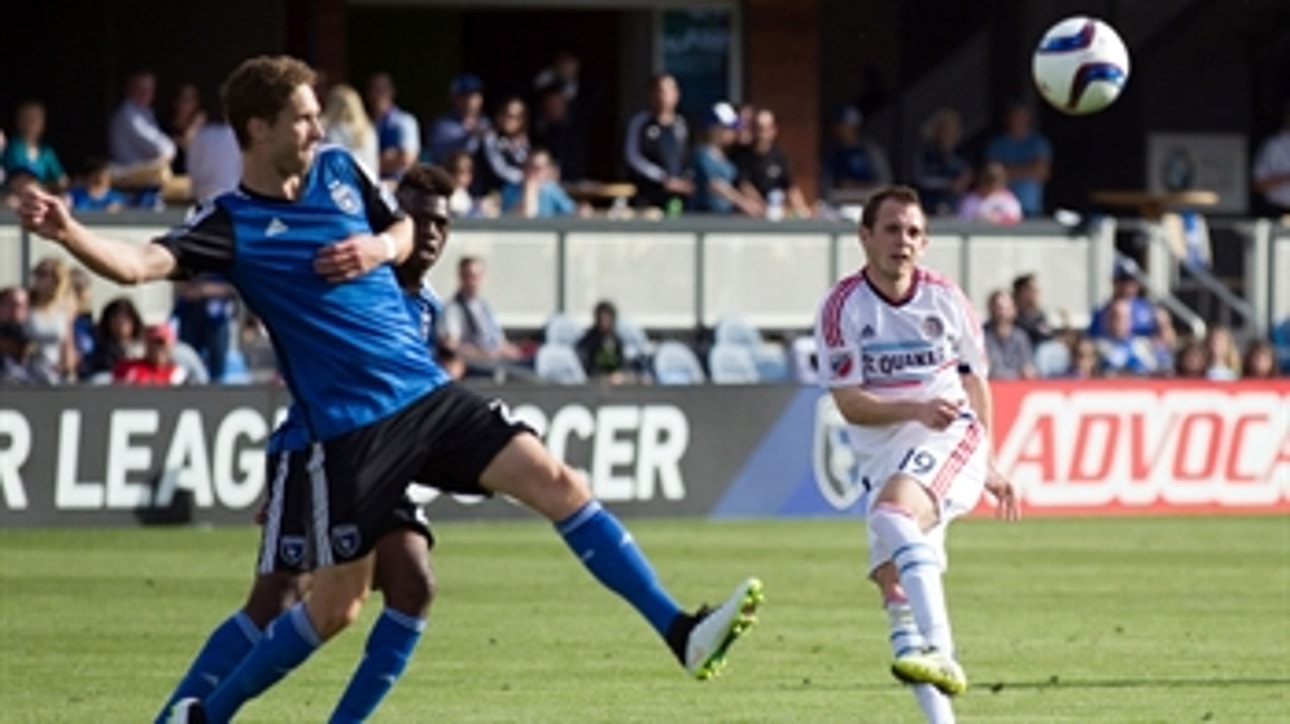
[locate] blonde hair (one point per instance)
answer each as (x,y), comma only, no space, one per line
(62,285)
(345,109)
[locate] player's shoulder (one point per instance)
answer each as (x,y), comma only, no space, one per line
(845,288)
(938,283)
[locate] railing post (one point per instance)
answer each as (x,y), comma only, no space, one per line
(1259,273)
(700,240)
(965,268)
(561,270)
(1101,250)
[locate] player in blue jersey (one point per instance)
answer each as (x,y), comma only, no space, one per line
(402,552)
(309,241)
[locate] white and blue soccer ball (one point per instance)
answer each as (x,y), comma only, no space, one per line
(1081,65)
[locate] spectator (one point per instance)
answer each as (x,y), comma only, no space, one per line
(49,323)
(764,171)
(505,147)
(461,167)
(1006,345)
(463,127)
(117,336)
(214,158)
(990,200)
(1026,156)
(744,136)
(398,135)
(715,175)
(558,129)
(27,149)
(1120,351)
(15,357)
(1031,317)
(206,309)
(1147,320)
(940,172)
(95,192)
(537,195)
(19,178)
(83,323)
(600,348)
(855,165)
(346,124)
(1192,362)
(186,119)
(15,306)
(563,73)
(656,144)
(1272,165)
(1260,361)
(469,329)
(157,366)
(141,152)
(1224,357)
(1085,360)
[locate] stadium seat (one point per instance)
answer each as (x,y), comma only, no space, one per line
(562,329)
(804,360)
(1052,358)
(737,330)
(636,343)
(558,363)
(676,364)
(1281,342)
(772,362)
(732,364)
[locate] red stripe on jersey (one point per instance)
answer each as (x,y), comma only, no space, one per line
(831,317)
(962,453)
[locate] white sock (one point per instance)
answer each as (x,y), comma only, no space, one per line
(905,637)
(919,570)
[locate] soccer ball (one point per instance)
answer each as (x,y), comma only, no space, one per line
(1081,65)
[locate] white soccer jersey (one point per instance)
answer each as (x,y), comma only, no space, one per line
(911,348)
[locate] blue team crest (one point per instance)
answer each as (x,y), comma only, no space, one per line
(291,549)
(835,461)
(345,540)
(345,197)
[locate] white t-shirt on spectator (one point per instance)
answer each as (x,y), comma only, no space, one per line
(214,161)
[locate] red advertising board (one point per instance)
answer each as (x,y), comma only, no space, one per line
(1146,446)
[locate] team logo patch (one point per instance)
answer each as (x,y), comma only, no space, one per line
(291,549)
(835,461)
(345,540)
(842,363)
(933,327)
(345,197)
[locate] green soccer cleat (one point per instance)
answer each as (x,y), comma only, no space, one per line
(931,666)
(715,630)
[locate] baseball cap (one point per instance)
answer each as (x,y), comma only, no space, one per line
(159,332)
(465,84)
(1124,270)
(723,114)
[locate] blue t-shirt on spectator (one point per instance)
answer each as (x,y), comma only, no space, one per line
(1020,151)
(398,129)
(45,166)
(552,200)
(855,164)
(83,200)
(1142,312)
(709,165)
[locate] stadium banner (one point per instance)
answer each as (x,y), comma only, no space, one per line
(115,456)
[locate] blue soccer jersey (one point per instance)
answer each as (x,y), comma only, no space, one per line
(350,353)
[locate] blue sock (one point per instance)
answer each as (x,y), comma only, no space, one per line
(228,644)
(607,550)
(389,646)
(288,640)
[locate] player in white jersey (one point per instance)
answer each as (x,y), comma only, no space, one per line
(902,353)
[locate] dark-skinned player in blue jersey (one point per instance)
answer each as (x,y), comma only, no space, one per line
(310,243)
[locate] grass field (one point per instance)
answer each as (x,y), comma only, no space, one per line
(1110,620)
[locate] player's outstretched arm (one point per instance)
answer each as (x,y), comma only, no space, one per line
(862,408)
(124,263)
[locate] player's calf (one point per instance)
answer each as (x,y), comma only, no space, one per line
(403,573)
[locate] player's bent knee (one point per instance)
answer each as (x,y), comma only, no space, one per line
(908,494)
(412,595)
(272,594)
(338,595)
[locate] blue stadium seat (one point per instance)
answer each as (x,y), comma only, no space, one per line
(558,363)
(732,364)
(676,364)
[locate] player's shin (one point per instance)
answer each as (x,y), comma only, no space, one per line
(286,643)
(610,553)
(223,651)
(919,570)
(389,646)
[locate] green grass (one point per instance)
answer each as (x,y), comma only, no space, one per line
(1110,620)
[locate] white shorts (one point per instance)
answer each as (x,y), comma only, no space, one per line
(950,464)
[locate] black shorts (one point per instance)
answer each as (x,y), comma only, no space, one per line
(330,503)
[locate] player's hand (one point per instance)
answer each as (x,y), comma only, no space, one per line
(1005,495)
(351,258)
(938,413)
(44,214)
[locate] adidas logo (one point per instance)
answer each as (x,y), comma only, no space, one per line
(275,227)
(867,332)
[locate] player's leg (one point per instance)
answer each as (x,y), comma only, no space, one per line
(525,470)
(906,639)
(234,638)
(407,585)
